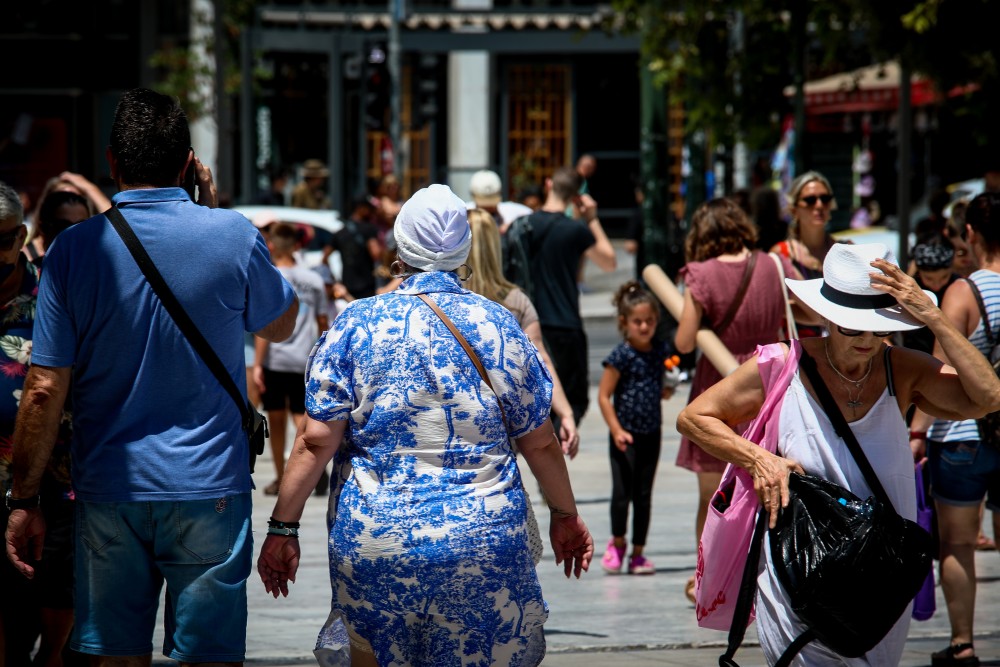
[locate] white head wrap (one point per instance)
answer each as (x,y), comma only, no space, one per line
(432,230)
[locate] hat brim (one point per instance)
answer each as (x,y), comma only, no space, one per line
(895,318)
(486,200)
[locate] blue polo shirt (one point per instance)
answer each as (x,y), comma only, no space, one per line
(150,420)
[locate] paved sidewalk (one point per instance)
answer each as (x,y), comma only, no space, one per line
(601,619)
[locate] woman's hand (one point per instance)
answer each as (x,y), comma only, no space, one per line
(571,543)
(893,280)
(770,480)
(278,563)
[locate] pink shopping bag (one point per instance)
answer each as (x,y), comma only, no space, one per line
(725,541)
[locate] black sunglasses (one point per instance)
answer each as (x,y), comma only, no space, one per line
(8,239)
(811,200)
(853,332)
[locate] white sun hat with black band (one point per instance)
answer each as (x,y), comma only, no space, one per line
(845,296)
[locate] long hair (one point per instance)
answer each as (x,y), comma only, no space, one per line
(718,227)
(484,258)
(795,189)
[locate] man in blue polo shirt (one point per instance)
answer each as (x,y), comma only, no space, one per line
(159,459)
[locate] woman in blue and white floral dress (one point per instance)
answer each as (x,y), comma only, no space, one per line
(429,554)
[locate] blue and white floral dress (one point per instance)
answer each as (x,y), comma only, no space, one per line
(429,558)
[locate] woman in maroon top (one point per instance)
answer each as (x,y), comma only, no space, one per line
(720,257)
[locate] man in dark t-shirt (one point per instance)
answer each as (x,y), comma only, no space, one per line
(558,243)
(359,249)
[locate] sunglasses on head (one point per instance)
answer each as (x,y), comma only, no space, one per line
(8,239)
(810,200)
(854,332)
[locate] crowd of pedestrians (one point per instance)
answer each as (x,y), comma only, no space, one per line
(430,365)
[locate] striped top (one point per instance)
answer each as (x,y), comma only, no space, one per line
(966,430)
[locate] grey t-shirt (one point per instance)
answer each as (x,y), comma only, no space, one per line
(290,356)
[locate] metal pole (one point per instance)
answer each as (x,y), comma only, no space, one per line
(248,169)
(904,129)
(396,85)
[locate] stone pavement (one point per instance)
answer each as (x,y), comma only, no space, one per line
(600,619)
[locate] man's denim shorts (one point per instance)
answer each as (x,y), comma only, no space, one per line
(963,473)
(202,549)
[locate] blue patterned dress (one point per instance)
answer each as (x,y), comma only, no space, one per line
(429,556)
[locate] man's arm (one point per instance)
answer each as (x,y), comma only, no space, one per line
(35,433)
(37,426)
(282,326)
(602,253)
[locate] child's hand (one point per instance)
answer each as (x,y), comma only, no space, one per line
(667,392)
(622,439)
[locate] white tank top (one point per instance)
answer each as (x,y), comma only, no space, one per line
(808,437)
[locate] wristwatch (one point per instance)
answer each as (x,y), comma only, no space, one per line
(21,503)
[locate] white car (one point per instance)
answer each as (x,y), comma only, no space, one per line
(327,220)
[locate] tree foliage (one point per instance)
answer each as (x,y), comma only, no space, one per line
(728,61)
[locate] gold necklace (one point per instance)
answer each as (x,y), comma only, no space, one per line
(853,402)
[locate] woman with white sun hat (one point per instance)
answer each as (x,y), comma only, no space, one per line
(864,296)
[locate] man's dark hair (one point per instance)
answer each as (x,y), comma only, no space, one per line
(983,215)
(566,183)
(150,138)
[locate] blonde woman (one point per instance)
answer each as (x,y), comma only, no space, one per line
(487,280)
(810,202)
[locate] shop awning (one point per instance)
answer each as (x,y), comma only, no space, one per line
(872,88)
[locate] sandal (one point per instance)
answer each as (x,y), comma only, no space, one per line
(946,658)
(984,543)
(689,591)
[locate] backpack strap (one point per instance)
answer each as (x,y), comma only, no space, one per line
(793,649)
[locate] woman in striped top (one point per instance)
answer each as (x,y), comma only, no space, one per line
(965,466)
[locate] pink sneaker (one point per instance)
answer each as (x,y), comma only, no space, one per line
(640,565)
(613,557)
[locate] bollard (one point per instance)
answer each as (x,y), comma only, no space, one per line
(709,344)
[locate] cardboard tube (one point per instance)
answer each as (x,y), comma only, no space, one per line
(709,344)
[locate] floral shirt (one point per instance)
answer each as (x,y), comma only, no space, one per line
(637,394)
(17,319)
(431,517)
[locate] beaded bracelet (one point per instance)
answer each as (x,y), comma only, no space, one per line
(274,523)
(283,532)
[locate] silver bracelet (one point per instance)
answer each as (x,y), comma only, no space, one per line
(283,532)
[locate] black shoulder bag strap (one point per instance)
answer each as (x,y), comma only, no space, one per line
(748,592)
(180,316)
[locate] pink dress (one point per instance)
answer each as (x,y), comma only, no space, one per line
(759,321)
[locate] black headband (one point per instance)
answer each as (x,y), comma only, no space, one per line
(859,301)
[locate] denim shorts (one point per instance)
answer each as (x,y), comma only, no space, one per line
(963,473)
(125,552)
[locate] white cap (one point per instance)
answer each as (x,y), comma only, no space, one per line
(485,187)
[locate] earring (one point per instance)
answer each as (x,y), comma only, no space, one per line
(467,273)
(397,272)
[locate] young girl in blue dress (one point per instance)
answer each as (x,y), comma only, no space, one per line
(629,396)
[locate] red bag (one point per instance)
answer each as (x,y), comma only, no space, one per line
(729,525)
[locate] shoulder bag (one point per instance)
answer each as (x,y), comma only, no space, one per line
(534,535)
(989,426)
(254,423)
(729,525)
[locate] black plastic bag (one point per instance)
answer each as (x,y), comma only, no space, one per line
(850,567)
